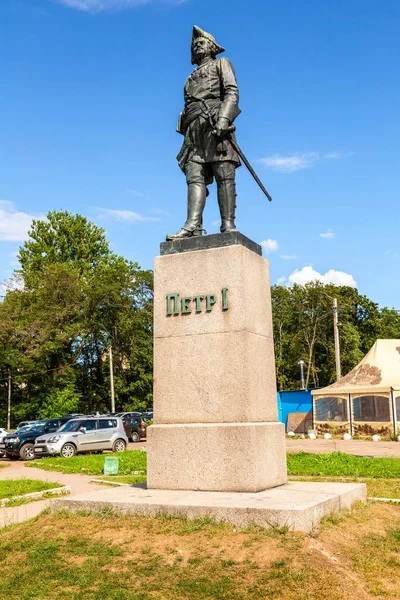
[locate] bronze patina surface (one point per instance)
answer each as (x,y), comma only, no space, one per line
(211,105)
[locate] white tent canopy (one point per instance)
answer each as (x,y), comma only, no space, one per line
(378,372)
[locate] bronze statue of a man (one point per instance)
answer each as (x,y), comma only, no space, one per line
(211,105)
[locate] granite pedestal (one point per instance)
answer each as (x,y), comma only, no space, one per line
(216,424)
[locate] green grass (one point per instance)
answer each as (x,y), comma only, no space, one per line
(18,487)
(130,462)
(109,557)
(339,464)
(133,463)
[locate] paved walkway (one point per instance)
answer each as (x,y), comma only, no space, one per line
(355,447)
(16,470)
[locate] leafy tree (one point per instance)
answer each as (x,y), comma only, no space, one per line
(59,402)
(63,238)
(77,299)
(303,329)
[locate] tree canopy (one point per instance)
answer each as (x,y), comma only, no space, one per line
(77,299)
(303,329)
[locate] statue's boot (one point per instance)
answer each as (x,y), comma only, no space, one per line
(227,204)
(193,226)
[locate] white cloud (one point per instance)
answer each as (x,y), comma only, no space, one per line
(328,235)
(269,245)
(125,215)
(135,193)
(159,211)
(299,161)
(216,222)
(289,164)
(288,256)
(307,274)
(338,155)
(14,225)
(95,6)
(15,282)
(281,281)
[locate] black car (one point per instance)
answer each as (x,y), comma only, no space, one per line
(135,428)
(21,444)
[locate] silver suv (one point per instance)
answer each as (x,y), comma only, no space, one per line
(83,435)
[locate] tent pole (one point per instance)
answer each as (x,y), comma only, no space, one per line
(394,413)
(351,415)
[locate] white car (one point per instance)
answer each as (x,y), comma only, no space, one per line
(3,433)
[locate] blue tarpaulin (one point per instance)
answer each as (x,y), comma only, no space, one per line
(298,401)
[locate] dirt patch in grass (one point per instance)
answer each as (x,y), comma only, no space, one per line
(354,556)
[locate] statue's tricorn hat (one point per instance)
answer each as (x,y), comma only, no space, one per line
(197,33)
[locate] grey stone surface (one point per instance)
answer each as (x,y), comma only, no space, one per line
(215,402)
(214,366)
(215,378)
(244,274)
(297,505)
(206,242)
(240,457)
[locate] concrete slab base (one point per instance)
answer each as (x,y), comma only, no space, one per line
(298,505)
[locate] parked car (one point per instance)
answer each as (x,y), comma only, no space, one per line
(20,444)
(83,435)
(24,423)
(147,416)
(128,415)
(3,433)
(135,428)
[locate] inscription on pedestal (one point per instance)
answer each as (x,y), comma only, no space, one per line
(184,305)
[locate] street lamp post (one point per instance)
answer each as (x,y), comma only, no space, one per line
(111,380)
(301,363)
(336,335)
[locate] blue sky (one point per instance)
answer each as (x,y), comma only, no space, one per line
(90,92)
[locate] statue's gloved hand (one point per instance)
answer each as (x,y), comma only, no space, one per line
(222,126)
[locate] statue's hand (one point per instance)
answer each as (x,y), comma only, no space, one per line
(221,127)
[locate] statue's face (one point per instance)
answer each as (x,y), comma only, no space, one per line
(201,48)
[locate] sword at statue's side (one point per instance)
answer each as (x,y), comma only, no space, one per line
(237,149)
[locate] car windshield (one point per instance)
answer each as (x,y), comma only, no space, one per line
(23,428)
(71,426)
(38,426)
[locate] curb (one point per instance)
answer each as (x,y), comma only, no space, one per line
(104,481)
(59,491)
(395,500)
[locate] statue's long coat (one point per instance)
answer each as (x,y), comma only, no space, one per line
(210,92)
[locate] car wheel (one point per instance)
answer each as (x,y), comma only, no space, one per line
(11,456)
(135,436)
(27,452)
(119,446)
(68,450)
